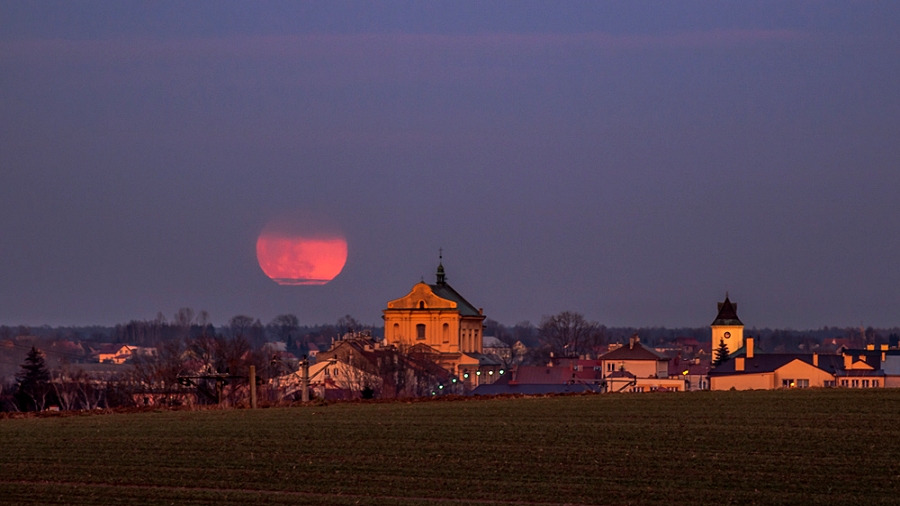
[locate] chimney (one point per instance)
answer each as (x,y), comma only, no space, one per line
(631,342)
(749,346)
(738,363)
(481,310)
(816,359)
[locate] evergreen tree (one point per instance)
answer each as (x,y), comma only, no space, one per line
(721,354)
(33,390)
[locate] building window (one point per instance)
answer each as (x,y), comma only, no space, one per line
(843,383)
(865,383)
(875,384)
(828,383)
(802,383)
(397,331)
(787,383)
(420,331)
(421,304)
(854,383)
(445,333)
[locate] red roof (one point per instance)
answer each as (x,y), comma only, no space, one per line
(543,375)
(633,351)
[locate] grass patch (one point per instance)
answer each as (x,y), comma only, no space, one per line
(782,447)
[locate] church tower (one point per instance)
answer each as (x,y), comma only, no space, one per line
(727,327)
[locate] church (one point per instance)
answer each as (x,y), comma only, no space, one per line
(435,320)
(727,328)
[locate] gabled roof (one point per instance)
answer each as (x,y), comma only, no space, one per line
(633,351)
(442,296)
(492,342)
(445,291)
(770,362)
(727,314)
(542,375)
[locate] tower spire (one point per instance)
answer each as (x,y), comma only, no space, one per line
(441,278)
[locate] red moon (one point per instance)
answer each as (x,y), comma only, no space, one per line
(297,260)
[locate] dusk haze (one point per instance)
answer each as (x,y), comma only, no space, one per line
(631,161)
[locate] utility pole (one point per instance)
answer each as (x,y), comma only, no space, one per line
(252,387)
(304,379)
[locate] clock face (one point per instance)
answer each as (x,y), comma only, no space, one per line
(727,335)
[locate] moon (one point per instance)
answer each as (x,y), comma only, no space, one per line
(300,259)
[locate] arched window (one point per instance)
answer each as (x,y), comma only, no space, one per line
(421,304)
(397,331)
(420,331)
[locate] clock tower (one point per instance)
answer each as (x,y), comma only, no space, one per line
(727,327)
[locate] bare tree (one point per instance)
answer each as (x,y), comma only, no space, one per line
(65,389)
(159,373)
(285,327)
(182,322)
(90,393)
(346,324)
(568,333)
(239,325)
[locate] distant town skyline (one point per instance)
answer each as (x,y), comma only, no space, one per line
(630,162)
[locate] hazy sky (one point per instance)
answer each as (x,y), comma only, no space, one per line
(628,160)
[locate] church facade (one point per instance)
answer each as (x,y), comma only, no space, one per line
(437,321)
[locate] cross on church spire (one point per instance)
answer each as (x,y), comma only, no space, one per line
(441,278)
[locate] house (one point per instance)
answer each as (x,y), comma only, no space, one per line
(871,367)
(440,323)
(411,372)
(332,380)
(120,353)
(490,345)
(767,371)
(113,353)
(694,371)
(312,350)
(637,368)
(852,368)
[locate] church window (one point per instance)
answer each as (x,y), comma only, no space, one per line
(421,304)
(420,331)
(445,333)
(397,331)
